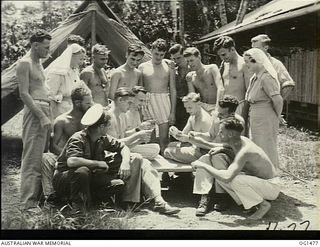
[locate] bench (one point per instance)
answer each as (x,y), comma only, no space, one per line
(162,164)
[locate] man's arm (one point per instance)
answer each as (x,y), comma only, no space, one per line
(173,95)
(140,68)
(224,175)
(277,102)
(114,82)
(86,76)
(58,127)
(124,170)
(74,162)
(286,81)
(218,81)
(23,73)
(191,88)
(139,74)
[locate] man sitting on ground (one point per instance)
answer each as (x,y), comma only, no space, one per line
(245,177)
(84,172)
(199,121)
(64,126)
(134,138)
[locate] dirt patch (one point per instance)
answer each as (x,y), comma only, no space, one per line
(297,203)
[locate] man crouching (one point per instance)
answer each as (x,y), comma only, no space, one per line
(246,179)
(91,161)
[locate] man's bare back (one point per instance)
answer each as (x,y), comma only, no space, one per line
(64,127)
(204,82)
(124,77)
(98,83)
(155,77)
(256,162)
(236,78)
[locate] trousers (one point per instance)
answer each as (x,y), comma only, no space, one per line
(35,140)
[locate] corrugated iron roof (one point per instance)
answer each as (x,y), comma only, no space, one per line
(274,11)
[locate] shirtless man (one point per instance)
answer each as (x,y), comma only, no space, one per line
(234,72)
(36,120)
(95,75)
(127,75)
(199,121)
(64,127)
(159,79)
(245,178)
(262,42)
(205,79)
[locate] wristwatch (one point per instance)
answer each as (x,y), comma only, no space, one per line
(137,129)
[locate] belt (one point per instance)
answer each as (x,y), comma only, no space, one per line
(41,102)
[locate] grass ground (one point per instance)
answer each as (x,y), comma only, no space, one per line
(299,152)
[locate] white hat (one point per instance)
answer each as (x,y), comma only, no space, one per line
(92,115)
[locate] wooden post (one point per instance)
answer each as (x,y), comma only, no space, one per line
(181,22)
(223,12)
(93,30)
(241,11)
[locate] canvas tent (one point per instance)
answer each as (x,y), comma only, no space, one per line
(93,19)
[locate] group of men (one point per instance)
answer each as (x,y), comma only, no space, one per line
(106,142)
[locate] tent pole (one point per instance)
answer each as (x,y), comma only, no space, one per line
(93,30)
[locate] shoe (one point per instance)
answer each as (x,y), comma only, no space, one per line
(220,206)
(165,208)
(115,186)
(203,207)
(221,202)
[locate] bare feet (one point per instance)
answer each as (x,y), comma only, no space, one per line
(264,207)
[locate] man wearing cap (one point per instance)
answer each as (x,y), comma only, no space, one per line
(90,159)
(136,137)
(127,75)
(64,126)
(235,75)
(95,76)
(205,79)
(262,41)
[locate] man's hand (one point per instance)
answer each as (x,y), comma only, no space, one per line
(282,121)
(215,150)
(148,125)
(45,122)
(195,165)
(124,171)
(172,118)
(102,167)
(145,135)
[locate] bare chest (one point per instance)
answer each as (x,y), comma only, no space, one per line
(156,73)
(128,79)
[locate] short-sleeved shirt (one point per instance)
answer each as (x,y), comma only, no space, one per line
(283,75)
(262,89)
(117,129)
(80,145)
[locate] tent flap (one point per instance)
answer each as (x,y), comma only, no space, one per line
(111,30)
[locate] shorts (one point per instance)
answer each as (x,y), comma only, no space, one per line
(159,107)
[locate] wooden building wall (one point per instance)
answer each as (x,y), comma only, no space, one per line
(302,66)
